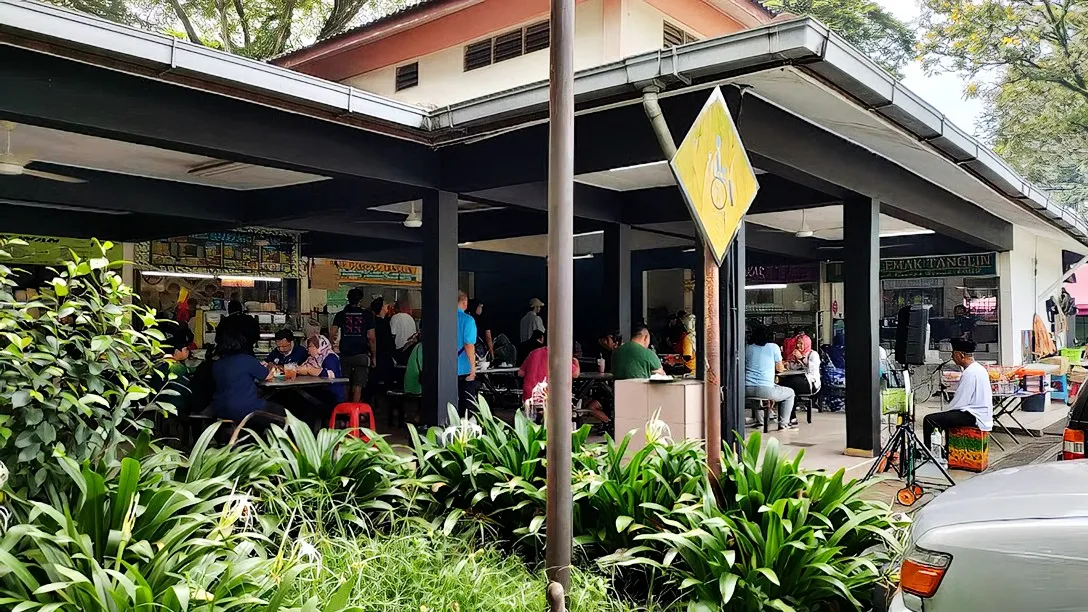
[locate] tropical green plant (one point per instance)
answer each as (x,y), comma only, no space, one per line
(778,538)
(616,497)
(77,379)
(487,469)
(132,542)
(332,478)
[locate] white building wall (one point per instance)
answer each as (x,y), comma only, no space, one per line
(1032,267)
(442,76)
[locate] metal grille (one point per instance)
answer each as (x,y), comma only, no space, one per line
(673,36)
(509,45)
(407,76)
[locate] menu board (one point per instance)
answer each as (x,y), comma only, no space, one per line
(368,272)
(243,252)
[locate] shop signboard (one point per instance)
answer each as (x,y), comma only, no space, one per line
(713,172)
(52,250)
(790,273)
(245,252)
(937,266)
(372,273)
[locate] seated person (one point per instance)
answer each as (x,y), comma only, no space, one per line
(608,344)
(810,383)
(635,359)
(414,370)
(680,343)
(535,371)
(973,404)
(175,378)
(798,346)
(762,360)
(236,373)
(323,362)
(535,341)
(286,350)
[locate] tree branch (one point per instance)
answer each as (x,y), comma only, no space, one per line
(190,31)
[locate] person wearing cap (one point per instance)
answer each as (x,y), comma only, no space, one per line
(531,322)
(973,404)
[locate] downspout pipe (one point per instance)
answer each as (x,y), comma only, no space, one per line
(712,402)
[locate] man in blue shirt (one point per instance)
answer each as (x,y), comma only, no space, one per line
(286,350)
(466,355)
(762,362)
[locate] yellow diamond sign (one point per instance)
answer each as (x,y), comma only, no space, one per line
(713,171)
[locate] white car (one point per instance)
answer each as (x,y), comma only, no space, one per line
(1015,539)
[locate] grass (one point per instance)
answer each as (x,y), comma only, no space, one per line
(416,568)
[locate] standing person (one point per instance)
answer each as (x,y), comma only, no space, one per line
(483,328)
(403,325)
(531,321)
(762,360)
(386,346)
(635,359)
(352,331)
(286,350)
(466,356)
(680,343)
(973,403)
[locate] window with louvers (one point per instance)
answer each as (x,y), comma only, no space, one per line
(673,36)
(507,46)
(478,55)
(407,76)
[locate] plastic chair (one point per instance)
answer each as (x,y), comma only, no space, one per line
(352,412)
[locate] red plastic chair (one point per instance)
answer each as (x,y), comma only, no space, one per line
(352,411)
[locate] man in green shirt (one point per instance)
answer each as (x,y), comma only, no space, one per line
(412,385)
(635,359)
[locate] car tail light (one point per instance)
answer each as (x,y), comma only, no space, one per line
(923,571)
(1073,444)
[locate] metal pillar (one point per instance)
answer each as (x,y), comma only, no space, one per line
(711,346)
(560,291)
(440,271)
(861,302)
(617,276)
(733,331)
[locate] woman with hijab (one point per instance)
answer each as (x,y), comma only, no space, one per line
(322,362)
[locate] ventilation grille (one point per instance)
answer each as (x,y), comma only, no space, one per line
(407,76)
(674,36)
(508,45)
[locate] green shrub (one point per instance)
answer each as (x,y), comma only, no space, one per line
(139,542)
(76,378)
(779,538)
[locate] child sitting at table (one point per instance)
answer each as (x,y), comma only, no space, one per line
(324,363)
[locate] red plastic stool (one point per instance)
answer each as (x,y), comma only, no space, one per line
(352,412)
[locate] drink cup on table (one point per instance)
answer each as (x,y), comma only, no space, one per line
(600,365)
(290,370)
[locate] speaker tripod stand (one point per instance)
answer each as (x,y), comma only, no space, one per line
(901,454)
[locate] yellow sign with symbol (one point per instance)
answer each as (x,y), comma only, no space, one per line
(713,171)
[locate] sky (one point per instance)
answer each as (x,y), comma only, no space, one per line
(943,91)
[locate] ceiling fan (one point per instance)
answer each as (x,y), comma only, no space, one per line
(413,220)
(13,165)
(804,231)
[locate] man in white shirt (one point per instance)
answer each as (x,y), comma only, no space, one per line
(973,404)
(402,324)
(531,322)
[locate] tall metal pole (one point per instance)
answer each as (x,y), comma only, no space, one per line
(712,409)
(560,291)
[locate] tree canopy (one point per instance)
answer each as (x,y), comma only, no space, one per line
(863,23)
(1028,59)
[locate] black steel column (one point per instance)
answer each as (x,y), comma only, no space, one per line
(733,331)
(617,277)
(861,304)
(440,268)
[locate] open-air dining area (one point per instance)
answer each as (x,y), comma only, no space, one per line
(691,325)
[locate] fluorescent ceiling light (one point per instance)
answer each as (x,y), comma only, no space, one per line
(175,274)
(691,250)
(586,256)
(769,286)
(589,233)
(907,232)
(86,209)
(637,166)
(266,279)
(464,244)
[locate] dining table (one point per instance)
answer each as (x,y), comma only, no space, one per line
(300,386)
